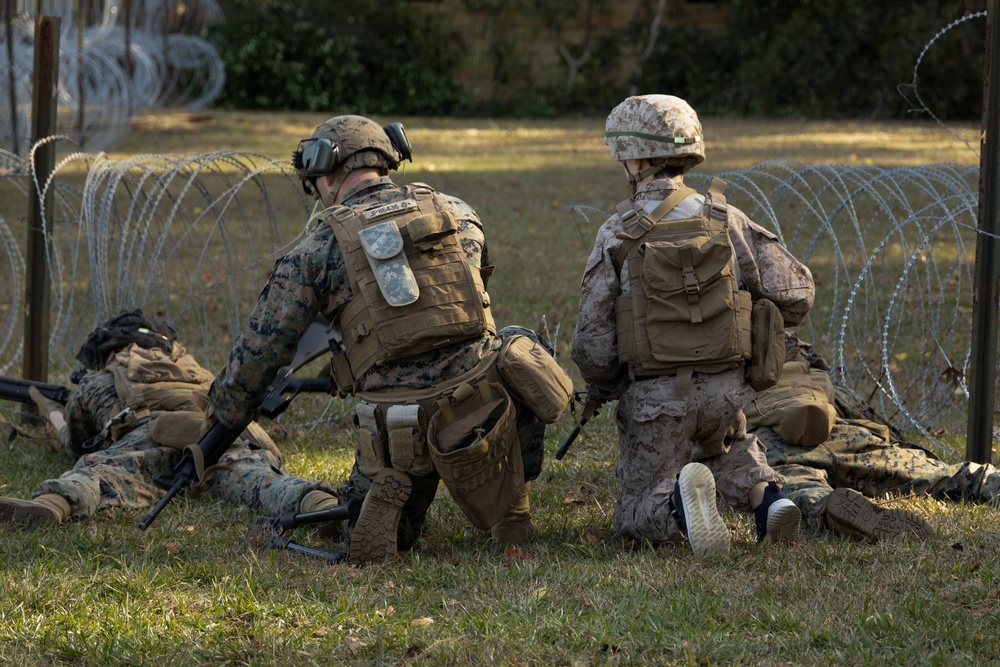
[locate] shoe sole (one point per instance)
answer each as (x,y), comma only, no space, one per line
(25,514)
(374,536)
(851,513)
(784,523)
(707,533)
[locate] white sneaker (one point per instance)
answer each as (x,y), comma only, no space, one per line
(783,521)
(706,531)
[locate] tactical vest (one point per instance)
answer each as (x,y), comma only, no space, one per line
(170,391)
(413,290)
(685,311)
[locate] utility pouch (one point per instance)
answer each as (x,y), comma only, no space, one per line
(534,378)
(767,343)
(176,429)
(371,443)
(473,443)
(407,442)
(383,245)
(428,231)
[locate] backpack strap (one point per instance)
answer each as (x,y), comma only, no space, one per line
(637,222)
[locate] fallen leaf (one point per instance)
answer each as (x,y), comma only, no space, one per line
(354,644)
(171,548)
(422,622)
(385,612)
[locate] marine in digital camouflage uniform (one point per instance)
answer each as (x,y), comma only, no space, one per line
(345,164)
(849,453)
(117,471)
(658,138)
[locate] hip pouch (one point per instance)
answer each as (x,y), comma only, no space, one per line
(767,345)
(534,378)
(473,442)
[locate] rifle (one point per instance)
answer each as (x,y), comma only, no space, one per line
(595,399)
(269,531)
(196,458)
(12,389)
(318,339)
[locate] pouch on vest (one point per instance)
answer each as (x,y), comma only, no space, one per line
(473,443)
(534,377)
(383,245)
(767,345)
(408,440)
(371,443)
(176,429)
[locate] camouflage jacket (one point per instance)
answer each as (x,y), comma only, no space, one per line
(767,269)
(312,279)
(91,404)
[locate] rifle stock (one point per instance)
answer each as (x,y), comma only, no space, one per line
(13,389)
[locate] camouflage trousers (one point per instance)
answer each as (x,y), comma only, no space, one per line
(530,434)
(659,433)
(860,456)
(121,475)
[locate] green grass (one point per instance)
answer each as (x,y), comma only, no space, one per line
(191,591)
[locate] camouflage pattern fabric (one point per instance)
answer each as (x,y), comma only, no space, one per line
(312,279)
(659,432)
(864,454)
(120,473)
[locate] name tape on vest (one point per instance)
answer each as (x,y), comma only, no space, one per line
(389,209)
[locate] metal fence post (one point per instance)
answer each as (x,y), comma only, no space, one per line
(985,303)
(44,106)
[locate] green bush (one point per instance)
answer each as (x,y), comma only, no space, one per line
(328,55)
(824,59)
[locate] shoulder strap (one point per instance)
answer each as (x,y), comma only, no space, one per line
(643,221)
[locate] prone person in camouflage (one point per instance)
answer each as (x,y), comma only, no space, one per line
(834,452)
(140,402)
(680,424)
(401,271)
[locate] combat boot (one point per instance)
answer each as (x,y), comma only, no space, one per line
(849,513)
(516,526)
(318,500)
(374,535)
(48,509)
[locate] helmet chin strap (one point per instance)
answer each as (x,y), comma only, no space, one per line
(334,198)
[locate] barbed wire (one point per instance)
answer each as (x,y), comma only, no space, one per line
(110,72)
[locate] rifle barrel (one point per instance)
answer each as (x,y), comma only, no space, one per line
(14,389)
(561,452)
(177,487)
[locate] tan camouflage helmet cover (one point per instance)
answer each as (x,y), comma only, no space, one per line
(655,126)
(357,134)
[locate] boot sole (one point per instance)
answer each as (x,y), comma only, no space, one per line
(784,523)
(374,536)
(707,533)
(851,513)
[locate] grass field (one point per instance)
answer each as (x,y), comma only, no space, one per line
(191,591)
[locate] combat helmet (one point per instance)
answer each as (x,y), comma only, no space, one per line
(349,142)
(122,330)
(660,128)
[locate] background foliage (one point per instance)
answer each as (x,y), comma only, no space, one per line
(803,58)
